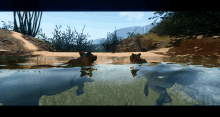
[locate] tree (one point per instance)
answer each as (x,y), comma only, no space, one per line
(25,23)
(111,42)
(188,23)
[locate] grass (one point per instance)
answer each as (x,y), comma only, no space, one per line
(159,38)
(106,93)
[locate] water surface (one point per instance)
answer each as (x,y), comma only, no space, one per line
(197,81)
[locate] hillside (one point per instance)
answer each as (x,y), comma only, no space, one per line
(122,32)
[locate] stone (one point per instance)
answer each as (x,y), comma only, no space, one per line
(215,37)
(200,37)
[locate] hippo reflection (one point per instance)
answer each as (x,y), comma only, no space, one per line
(163,76)
(27,87)
(89,69)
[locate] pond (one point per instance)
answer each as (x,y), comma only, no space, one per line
(112,84)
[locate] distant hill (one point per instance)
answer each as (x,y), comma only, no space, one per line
(96,41)
(123,32)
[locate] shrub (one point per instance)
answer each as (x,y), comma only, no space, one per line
(68,41)
(147,43)
(7,27)
(131,34)
(62,42)
(111,42)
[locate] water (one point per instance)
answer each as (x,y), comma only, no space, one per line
(25,87)
(199,83)
(119,74)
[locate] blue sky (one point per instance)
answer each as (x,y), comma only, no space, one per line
(97,23)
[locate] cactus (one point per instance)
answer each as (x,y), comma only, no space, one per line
(25,24)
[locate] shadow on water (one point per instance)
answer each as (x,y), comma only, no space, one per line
(192,73)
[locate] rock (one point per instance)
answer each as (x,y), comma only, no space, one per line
(215,37)
(200,37)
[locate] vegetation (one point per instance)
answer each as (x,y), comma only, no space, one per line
(131,34)
(65,42)
(111,42)
(173,25)
(187,23)
(68,41)
(111,95)
(25,25)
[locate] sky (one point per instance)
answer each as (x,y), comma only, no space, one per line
(98,24)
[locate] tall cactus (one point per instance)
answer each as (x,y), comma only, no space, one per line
(25,23)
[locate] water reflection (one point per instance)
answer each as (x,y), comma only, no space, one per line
(201,82)
(25,87)
(206,61)
(119,74)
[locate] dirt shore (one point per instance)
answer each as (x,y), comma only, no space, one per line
(150,56)
(185,49)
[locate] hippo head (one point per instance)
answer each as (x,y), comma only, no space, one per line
(87,58)
(135,58)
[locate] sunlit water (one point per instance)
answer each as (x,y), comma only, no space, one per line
(199,82)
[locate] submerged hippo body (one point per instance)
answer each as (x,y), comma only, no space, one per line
(135,58)
(161,77)
(25,88)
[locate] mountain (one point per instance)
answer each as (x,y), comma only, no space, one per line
(96,41)
(122,32)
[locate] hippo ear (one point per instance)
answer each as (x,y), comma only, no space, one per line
(139,54)
(81,53)
(88,53)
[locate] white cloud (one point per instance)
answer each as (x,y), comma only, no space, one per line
(124,14)
(131,15)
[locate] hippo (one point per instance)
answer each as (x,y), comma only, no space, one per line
(135,58)
(85,59)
